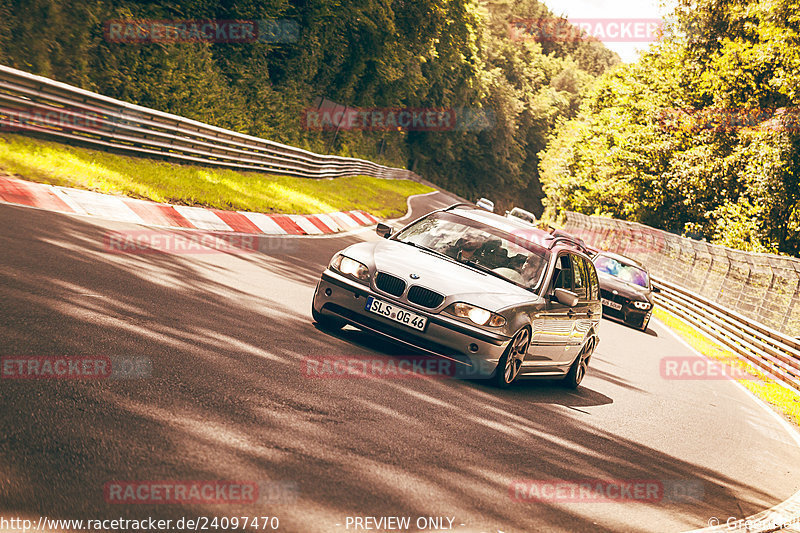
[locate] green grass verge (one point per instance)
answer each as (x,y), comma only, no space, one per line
(783,400)
(59,164)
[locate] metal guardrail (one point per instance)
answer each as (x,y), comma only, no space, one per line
(764,288)
(35,104)
(773,353)
(688,271)
(761,287)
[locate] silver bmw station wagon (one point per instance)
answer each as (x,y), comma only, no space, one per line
(492,294)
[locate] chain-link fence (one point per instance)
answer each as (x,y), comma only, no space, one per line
(762,287)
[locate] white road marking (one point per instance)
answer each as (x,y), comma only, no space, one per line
(202,218)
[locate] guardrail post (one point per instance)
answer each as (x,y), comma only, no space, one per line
(789,326)
(701,278)
(764,314)
(722,288)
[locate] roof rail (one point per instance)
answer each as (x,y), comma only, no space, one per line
(571,240)
(459,204)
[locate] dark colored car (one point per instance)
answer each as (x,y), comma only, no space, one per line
(625,289)
(496,294)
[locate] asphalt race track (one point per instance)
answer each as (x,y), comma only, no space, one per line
(227,337)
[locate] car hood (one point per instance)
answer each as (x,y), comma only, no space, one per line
(628,290)
(455,281)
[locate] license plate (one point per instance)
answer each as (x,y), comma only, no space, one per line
(398,314)
(612,305)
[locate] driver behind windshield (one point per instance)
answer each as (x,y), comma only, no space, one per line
(503,257)
(466,247)
(493,255)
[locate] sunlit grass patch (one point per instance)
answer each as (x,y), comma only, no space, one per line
(59,164)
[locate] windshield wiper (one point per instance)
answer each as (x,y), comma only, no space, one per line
(415,245)
(482,268)
(426,249)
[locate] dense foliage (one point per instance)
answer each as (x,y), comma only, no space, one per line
(361,53)
(700,137)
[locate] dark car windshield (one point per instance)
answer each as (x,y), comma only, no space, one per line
(625,272)
(479,245)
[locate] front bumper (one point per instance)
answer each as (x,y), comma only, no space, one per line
(629,314)
(346,299)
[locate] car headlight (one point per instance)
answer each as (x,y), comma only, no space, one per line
(350,267)
(641,305)
(478,315)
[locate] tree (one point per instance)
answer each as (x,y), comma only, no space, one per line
(700,134)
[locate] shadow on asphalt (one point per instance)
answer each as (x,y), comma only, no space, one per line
(559,396)
(525,389)
(227,400)
(650,331)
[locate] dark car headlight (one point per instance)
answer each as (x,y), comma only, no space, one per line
(642,305)
(477,315)
(349,267)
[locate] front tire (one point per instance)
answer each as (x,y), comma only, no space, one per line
(578,369)
(511,362)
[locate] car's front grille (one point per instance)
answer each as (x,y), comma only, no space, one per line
(390,284)
(608,311)
(613,297)
(424,297)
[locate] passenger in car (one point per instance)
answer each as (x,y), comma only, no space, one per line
(531,270)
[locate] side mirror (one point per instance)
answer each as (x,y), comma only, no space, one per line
(383,230)
(566,297)
(656,289)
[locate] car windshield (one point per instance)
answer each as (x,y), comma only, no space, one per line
(480,246)
(628,273)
